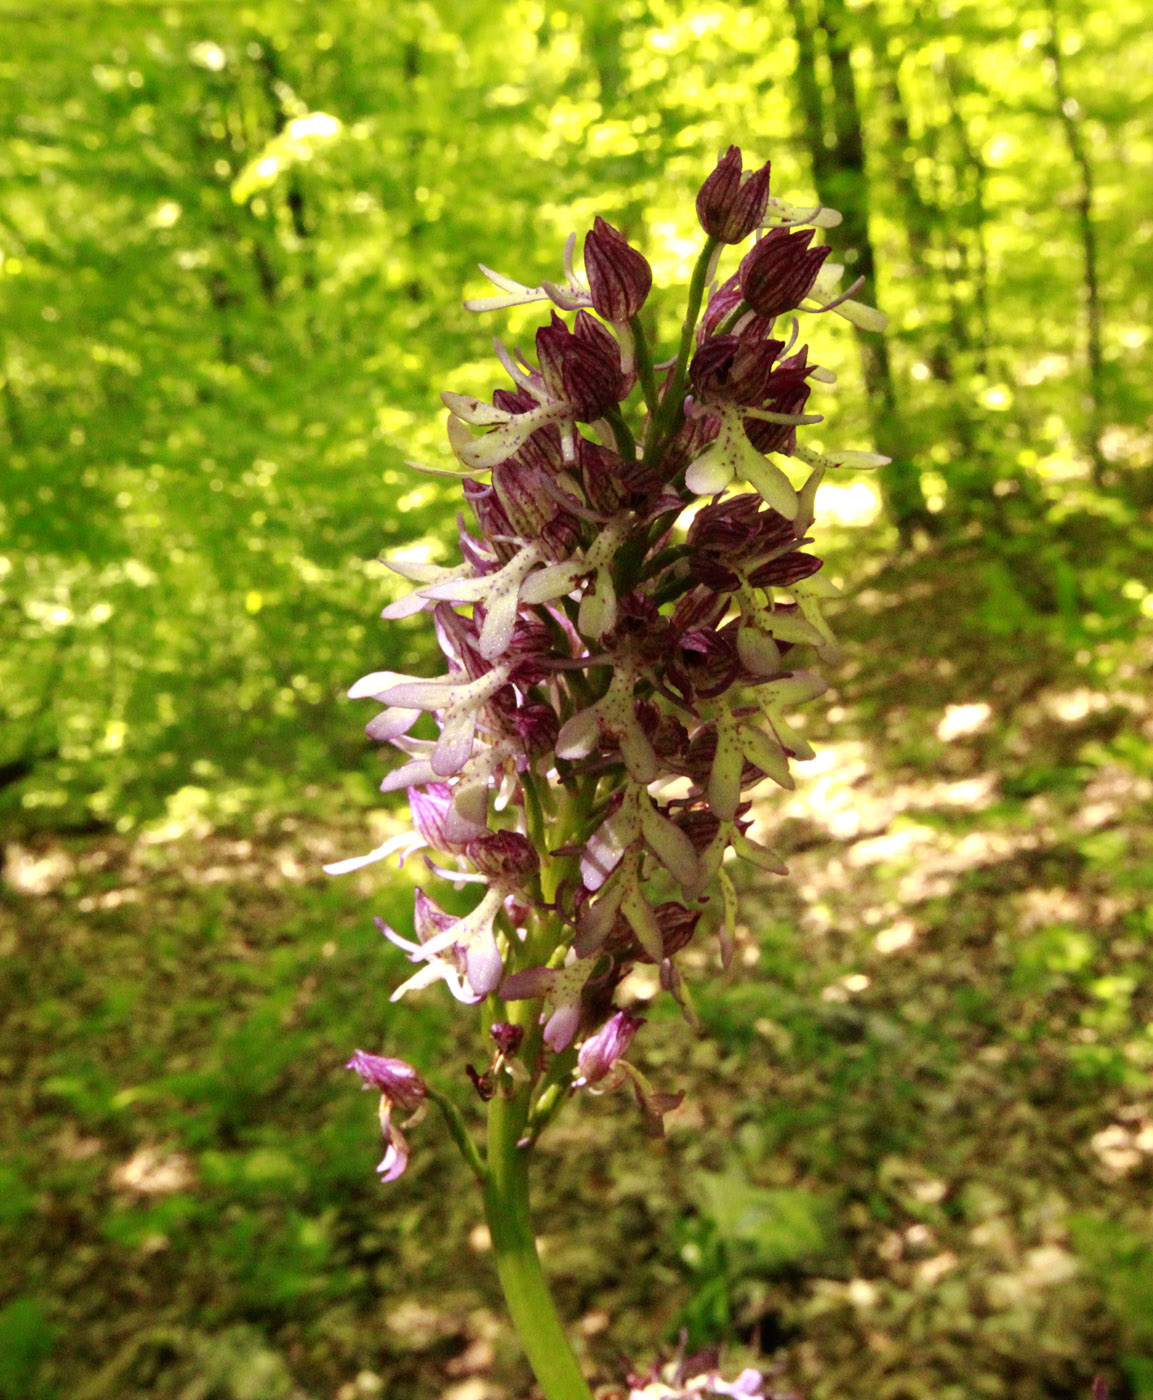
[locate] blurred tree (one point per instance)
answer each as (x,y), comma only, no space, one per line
(1069,114)
(836,143)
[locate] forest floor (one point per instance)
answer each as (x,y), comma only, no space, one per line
(916,1151)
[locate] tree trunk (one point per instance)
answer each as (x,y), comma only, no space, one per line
(1068,112)
(835,142)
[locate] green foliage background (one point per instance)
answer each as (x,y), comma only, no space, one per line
(235,240)
(220,341)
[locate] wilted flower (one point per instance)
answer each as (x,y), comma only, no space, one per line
(400,1087)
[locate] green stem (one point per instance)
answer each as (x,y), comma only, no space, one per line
(671,413)
(459,1131)
(622,433)
(644,363)
(526,1292)
(732,318)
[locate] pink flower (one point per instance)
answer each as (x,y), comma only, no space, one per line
(400,1087)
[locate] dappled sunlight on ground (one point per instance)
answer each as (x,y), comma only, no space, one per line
(932,1048)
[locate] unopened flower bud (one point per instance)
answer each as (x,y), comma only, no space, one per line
(778,272)
(502,855)
(729,208)
(396,1079)
(735,369)
(581,370)
(619,277)
(787,393)
(600,1052)
(537,725)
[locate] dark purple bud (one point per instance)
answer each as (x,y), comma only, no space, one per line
(507,1037)
(784,571)
(619,277)
(735,368)
(729,208)
(514,400)
(490,514)
(502,855)
(396,1080)
(537,725)
(677,925)
(532,510)
(778,272)
(601,1051)
(580,370)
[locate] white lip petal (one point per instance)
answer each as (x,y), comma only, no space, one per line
(374,683)
(473,410)
(710,473)
(579,734)
(406,839)
(391,723)
(454,748)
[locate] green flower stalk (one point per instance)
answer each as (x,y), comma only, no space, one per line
(621,638)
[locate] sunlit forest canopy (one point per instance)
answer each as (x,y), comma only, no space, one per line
(235,242)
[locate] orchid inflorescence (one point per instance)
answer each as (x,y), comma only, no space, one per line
(621,636)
